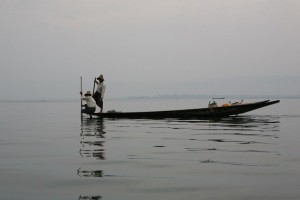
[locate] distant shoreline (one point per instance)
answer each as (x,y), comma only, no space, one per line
(175,96)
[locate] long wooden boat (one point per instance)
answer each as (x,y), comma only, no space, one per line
(214,112)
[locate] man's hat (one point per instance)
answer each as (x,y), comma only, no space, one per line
(100,77)
(88,93)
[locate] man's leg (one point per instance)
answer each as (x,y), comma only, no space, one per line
(101,105)
(85,108)
(97,98)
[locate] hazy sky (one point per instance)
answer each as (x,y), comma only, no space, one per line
(149,47)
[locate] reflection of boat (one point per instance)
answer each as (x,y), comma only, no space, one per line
(90,197)
(212,112)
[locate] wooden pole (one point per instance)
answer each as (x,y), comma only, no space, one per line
(94,86)
(80,96)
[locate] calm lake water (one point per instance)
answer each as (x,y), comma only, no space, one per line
(48,152)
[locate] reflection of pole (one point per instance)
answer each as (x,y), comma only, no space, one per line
(80,96)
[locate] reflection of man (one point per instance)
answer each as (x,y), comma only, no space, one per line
(99,94)
(92,139)
(90,106)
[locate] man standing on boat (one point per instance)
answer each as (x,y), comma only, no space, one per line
(99,94)
(90,106)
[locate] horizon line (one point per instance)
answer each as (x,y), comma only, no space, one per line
(164,96)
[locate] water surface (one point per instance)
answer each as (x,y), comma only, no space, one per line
(48,152)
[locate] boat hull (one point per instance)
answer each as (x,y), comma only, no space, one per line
(215,112)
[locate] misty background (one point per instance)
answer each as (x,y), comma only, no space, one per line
(148,48)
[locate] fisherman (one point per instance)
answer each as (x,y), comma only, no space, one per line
(90,106)
(99,94)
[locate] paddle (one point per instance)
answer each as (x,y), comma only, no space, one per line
(80,96)
(94,85)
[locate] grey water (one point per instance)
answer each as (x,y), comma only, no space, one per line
(47,151)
